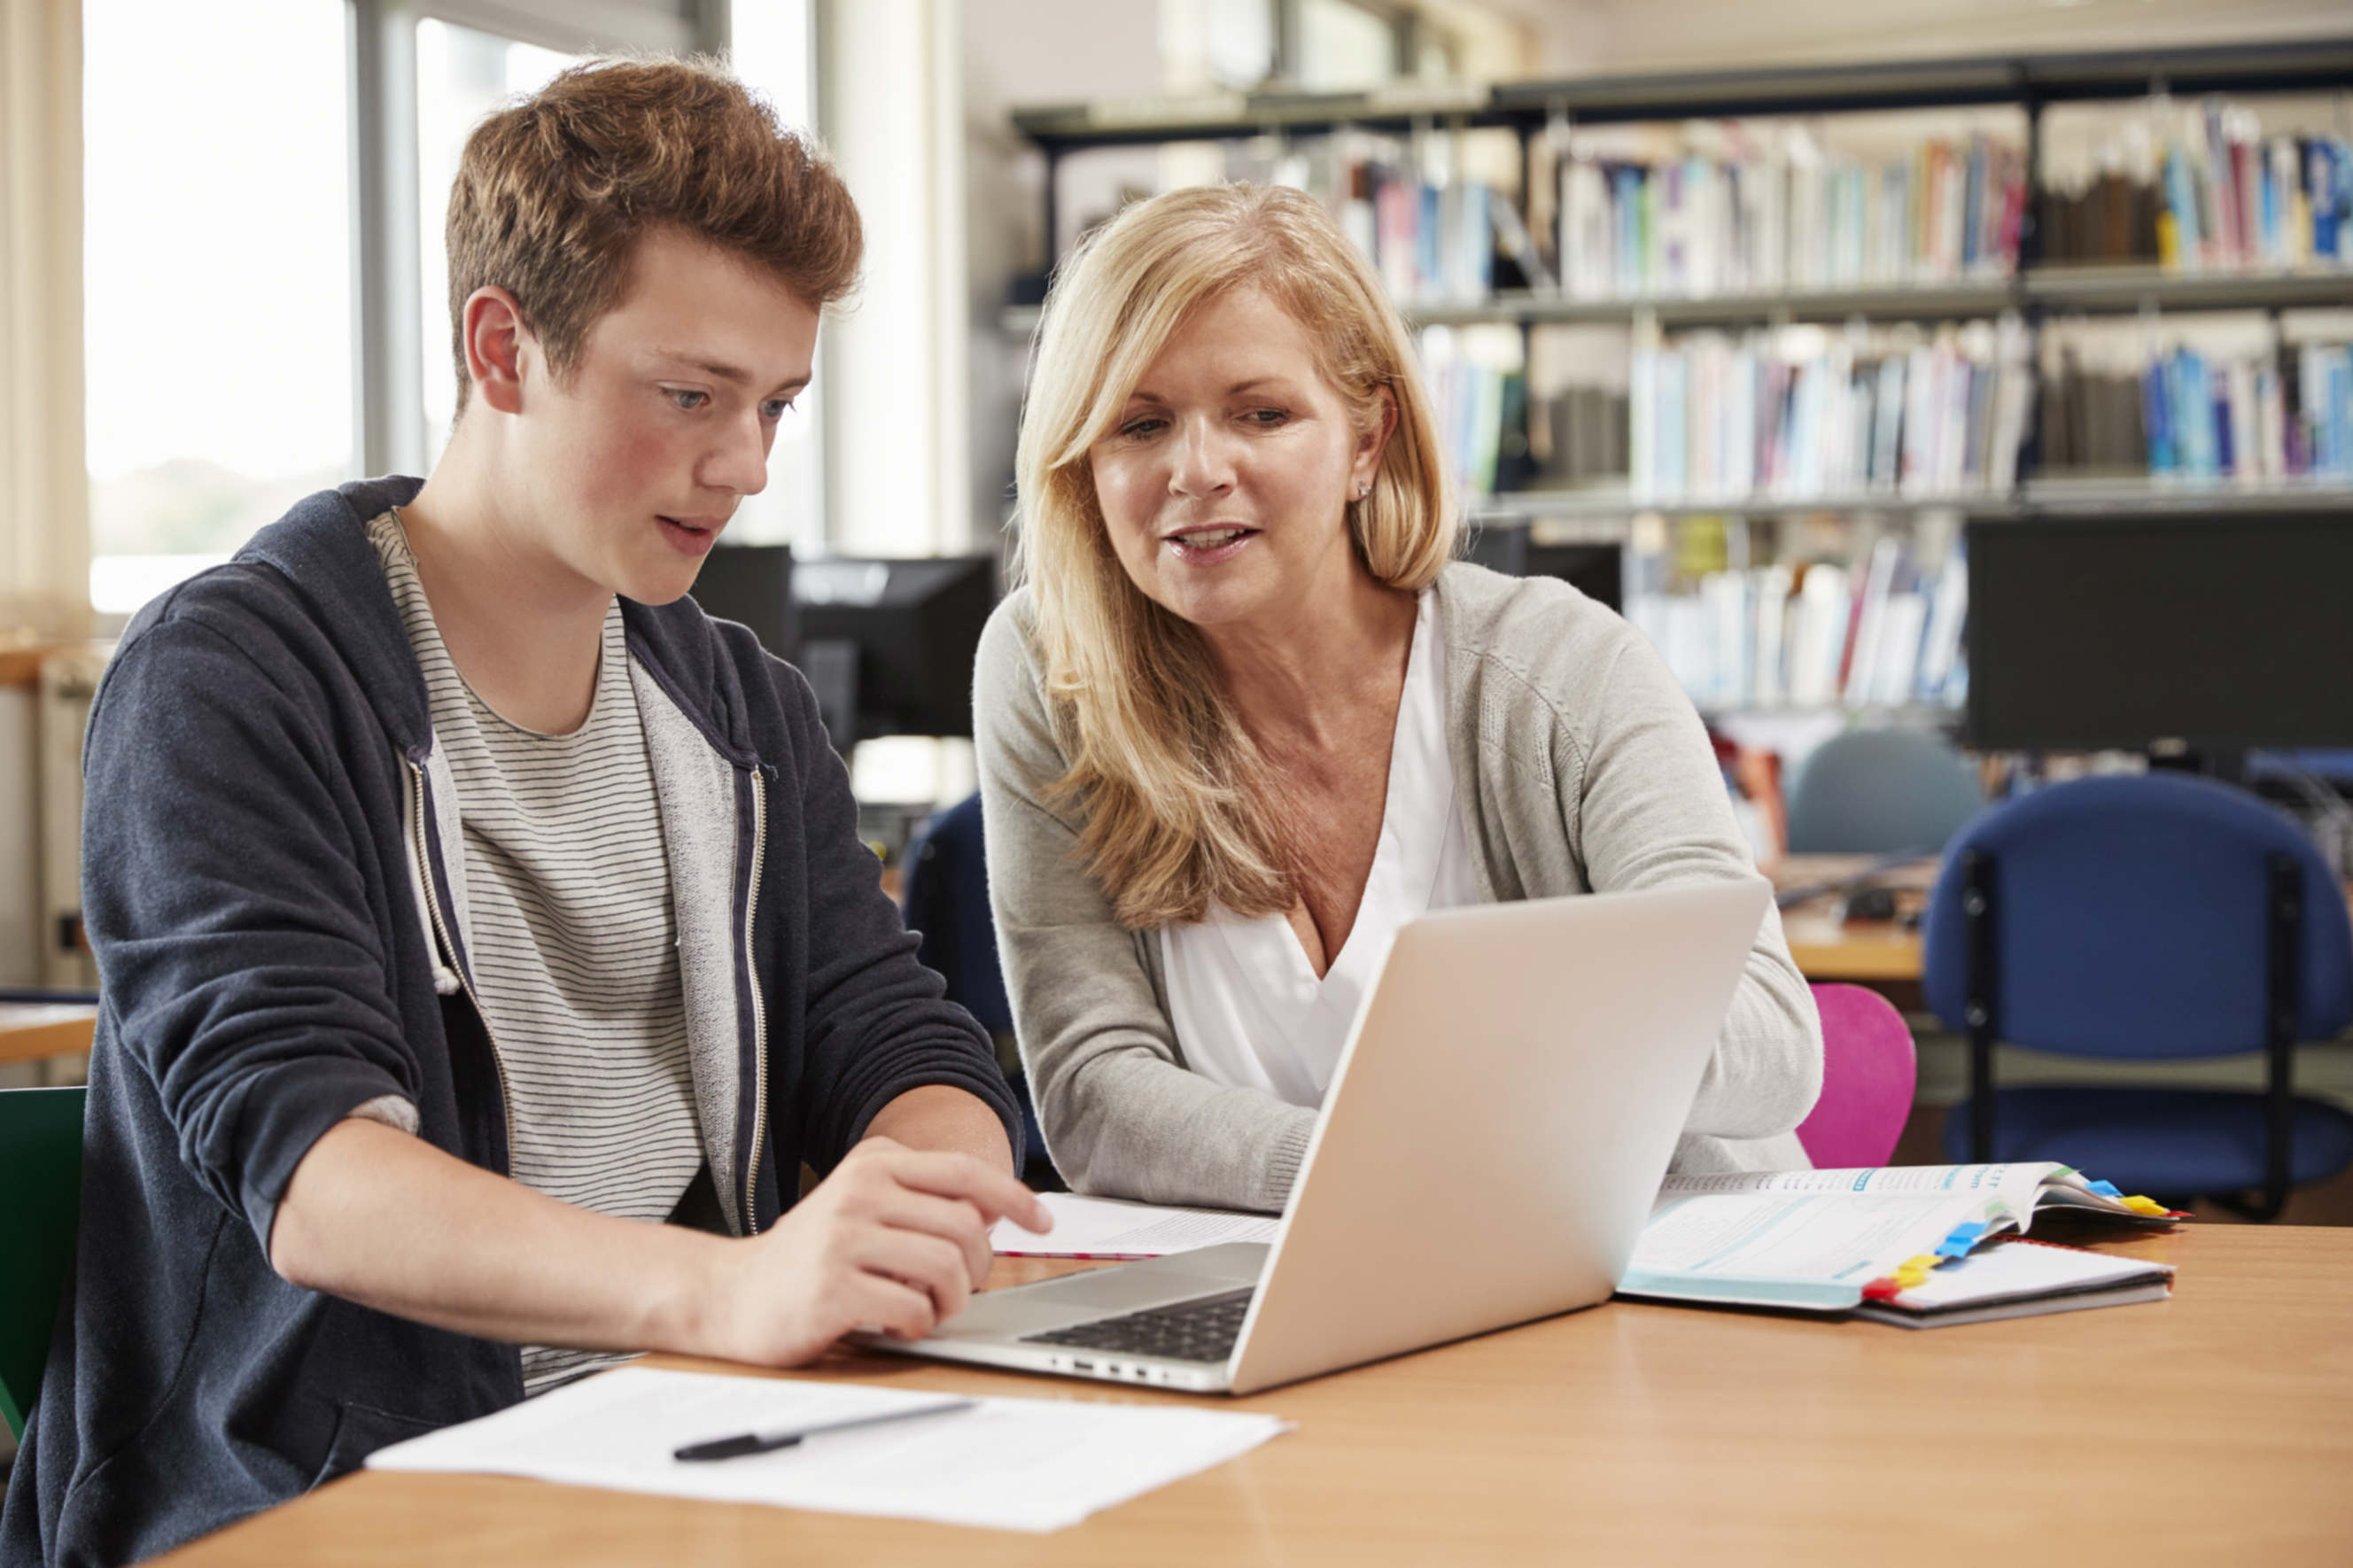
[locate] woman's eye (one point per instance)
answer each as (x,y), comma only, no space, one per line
(686,398)
(1138,428)
(1267,415)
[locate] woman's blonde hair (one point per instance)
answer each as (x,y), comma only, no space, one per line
(1177,811)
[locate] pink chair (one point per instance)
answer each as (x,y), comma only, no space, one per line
(1868,1074)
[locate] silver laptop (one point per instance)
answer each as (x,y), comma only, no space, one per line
(1495,1132)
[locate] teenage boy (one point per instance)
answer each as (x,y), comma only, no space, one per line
(468,904)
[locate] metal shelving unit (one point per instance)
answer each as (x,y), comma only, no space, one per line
(2321,65)
(2093,290)
(2036,292)
(1606,502)
(2030,82)
(2063,497)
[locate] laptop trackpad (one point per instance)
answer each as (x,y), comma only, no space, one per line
(1107,1292)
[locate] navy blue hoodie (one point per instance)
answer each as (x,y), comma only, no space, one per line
(274,888)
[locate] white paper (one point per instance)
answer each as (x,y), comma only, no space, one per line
(1006,1463)
(1113,1227)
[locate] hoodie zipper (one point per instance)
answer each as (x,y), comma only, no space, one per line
(759,1018)
(449,949)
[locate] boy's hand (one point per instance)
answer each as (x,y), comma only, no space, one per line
(895,1239)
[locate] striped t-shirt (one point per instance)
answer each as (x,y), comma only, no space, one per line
(573,938)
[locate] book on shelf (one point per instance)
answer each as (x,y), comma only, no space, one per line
(1798,412)
(2200,188)
(1815,635)
(1431,241)
(1788,216)
(2278,415)
(1905,1236)
(2088,419)
(1577,436)
(1478,392)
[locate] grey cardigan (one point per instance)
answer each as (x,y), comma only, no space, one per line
(1578,765)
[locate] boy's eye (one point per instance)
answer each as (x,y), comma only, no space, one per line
(775,408)
(685,398)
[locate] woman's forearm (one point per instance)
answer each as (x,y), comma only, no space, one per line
(1767,1068)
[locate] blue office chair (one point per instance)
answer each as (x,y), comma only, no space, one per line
(1881,792)
(946,892)
(2150,918)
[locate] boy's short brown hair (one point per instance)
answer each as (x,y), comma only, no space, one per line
(553,195)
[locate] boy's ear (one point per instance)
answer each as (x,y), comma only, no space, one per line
(494,334)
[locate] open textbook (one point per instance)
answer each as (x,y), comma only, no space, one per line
(1831,1240)
(1906,1242)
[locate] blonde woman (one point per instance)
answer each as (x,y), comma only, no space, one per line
(1247,716)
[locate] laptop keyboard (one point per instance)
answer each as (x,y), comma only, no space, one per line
(1203,1330)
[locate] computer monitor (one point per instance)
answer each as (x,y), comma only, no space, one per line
(2202,634)
(889,644)
(1597,570)
(751,583)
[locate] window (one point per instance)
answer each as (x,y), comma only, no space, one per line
(770,52)
(233,364)
(461,76)
(216,279)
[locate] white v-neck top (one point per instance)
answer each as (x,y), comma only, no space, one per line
(1247,1006)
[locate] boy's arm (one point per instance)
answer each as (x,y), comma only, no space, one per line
(938,1117)
(244,979)
(241,967)
(886,1052)
(895,1239)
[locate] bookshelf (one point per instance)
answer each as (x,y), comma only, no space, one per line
(1887,301)
(2068,496)
(2089,290)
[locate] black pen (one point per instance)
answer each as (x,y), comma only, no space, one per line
(763,1442)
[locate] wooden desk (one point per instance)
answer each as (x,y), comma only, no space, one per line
(32,1031)
(1877,952)
(1882,953)
(2211,1428)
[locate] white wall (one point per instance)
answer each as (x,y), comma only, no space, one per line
(1023,52)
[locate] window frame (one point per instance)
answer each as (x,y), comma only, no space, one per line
(387,323)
